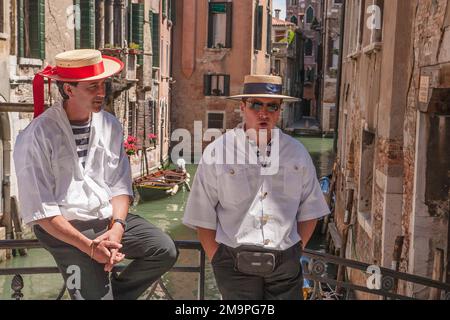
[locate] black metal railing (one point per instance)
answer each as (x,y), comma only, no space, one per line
(17,283)
(315,269)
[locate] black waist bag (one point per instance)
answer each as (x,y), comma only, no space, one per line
(255,263)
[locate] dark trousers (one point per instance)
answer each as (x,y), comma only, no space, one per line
(284,283)
(152,253)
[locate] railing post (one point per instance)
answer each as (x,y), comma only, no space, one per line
(201,282)
(17,286)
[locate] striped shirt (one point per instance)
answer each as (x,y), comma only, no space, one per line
(81,133)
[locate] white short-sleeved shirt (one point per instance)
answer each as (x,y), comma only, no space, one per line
(250,205)
(50,177)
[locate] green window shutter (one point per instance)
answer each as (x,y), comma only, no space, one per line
(41,28)
(207,85)
(21,28)
(259,28)
(77,30)
(226,85)
(37,29)
(87,23)
(229,26)
(137,27)
(269,33)
(155,39)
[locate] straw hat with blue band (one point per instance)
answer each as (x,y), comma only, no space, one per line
(74,66)
(263,86)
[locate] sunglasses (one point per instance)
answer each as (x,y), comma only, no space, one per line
(258,106)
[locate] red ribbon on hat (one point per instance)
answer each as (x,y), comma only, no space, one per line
(38,89)
(68,73)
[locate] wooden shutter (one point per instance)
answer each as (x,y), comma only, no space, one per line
(37,29)
(226,85)
(229,36)
(41,28)
(269,33)
(155,39)
(87,24)
(207,84)
(258,27)
(77,32)
(210,27)
(21,30)
(137,28)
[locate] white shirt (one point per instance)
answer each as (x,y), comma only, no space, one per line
(51,179)
(249,204)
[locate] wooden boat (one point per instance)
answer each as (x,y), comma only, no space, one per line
(160,184)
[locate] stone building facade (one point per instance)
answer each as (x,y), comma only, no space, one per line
(283,63)
(331,39)
(307,15)
(394,133)
(215,45)
(138,32)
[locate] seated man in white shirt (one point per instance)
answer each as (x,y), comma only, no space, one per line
(255,201)
(75,185)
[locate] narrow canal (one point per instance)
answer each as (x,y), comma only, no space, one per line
(166,214)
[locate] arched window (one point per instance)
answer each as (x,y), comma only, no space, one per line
(309,15)
(294,20)
(308,47)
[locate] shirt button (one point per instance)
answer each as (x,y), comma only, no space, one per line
(296,168)
(267,242)
(232,172)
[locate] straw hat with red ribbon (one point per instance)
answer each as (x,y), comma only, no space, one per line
(263,86)
(74,66)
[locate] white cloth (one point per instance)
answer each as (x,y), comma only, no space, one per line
(51,179)
(247,205)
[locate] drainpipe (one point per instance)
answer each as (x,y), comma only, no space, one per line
(338,84)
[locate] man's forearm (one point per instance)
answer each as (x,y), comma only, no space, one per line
(120,206)
(62,230)
(306,229)
(208,240)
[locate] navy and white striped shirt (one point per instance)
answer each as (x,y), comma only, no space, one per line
(81,132)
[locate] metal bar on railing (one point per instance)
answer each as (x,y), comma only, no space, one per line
(35,244)
(384,271)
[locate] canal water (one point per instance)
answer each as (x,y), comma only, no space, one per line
(166,214)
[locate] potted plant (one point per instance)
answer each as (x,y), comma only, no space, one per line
(152,137)
(134,48)
(130,146)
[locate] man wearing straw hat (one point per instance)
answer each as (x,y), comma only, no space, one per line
(255,199)
(74,184)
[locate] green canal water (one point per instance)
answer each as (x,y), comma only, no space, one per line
(166,214)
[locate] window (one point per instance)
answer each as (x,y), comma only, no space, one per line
(310,74)
(294,2)
(280,35)
(136,28)
(216,120)
(278,67)
(220,25)
(85,24)
(154,25)
(31,27)
(310,15)
(294,20)
(216,85)
(2,16)
(366,174)
(132,119)
(308,47)
(258,27)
